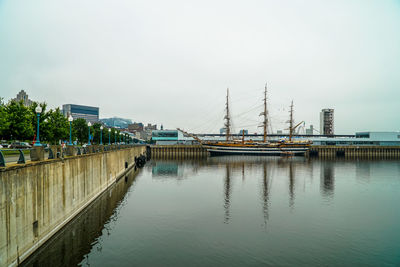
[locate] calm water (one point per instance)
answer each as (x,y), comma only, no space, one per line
(240,211)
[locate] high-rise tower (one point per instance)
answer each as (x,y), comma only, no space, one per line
(326,122)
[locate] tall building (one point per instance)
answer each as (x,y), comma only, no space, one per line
(150,127)
(116,122)
(78,111)
(136,127)
(326,122)
(22,95)
(310,131)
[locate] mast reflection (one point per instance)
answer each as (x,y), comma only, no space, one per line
(291,184)
(227,193)
(265,196)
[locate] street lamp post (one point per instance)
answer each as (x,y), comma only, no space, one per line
(109,136)
(89,124)
(38,110)
(119,137)
(115,137)
(70,119)
(101,134)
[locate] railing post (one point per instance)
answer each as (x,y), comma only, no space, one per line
(21,159)
(37,153)
(2,161)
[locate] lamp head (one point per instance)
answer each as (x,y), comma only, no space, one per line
(89,124)
(70,119)
(38,109)
(109,129)
(101,127)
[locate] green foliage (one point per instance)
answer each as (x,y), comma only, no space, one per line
(57,126)
(112,135)
(3,119)
(17,121)
(80,130)
(95,131)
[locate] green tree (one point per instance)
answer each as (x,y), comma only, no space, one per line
(57,126)
(113,130)
(95,131)
(80,130)
(18,123)
(3,119)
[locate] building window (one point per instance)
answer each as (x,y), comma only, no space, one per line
(165,134)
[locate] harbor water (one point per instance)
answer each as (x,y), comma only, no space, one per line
(239,211)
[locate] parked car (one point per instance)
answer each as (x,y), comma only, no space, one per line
(20,145)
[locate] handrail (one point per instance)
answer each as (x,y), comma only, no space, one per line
(59,152)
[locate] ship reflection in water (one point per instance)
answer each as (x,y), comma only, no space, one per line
(239,211)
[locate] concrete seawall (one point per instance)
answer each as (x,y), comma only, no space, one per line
(70,244)
(197,151)
(381,152)
(37,199)
(178,151)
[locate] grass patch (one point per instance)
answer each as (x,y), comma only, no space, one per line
(8,152)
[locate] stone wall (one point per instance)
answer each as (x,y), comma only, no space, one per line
(38,198)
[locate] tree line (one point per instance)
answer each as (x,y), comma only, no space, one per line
(18,122)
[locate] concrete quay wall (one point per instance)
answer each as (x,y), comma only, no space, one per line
(381,152)
(38,198)
(197,151)
(178,151)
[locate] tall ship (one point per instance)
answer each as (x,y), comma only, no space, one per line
(284,147)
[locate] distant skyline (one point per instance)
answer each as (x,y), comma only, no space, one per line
(170,62)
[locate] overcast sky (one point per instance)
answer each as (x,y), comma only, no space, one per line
(170,62)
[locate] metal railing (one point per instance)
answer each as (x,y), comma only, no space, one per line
(18,156)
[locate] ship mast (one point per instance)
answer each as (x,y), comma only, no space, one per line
(291,128)
(227,117)
(265,114)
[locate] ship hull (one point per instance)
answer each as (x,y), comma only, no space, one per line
(256,151)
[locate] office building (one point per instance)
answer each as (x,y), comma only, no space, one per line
(136,127)
(78,111)
(326,122)
(150,127)
(310,131)
(23,96)
(116,122)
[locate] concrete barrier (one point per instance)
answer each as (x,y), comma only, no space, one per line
(38,198)
(178,151)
